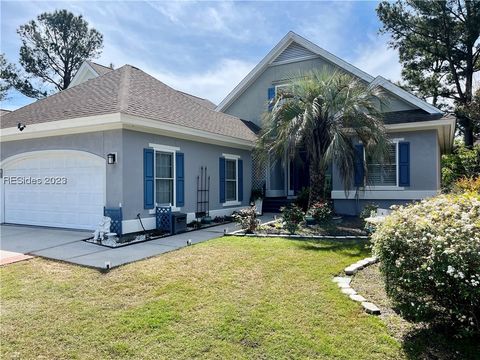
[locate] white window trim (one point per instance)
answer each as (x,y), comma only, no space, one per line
(279,86)
(169,149)
(164,148)
(235,158)
(231,156)
(397,175)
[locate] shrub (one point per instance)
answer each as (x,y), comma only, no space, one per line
(292,216)
(247,218)
(303,197)
(467,184)
(430,259)
(460,163)
(321,212)
(368,211)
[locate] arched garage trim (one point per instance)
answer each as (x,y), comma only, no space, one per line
(11,161)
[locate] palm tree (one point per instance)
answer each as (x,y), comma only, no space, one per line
(323,112)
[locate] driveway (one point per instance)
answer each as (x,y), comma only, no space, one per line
(67,245)
(17,242)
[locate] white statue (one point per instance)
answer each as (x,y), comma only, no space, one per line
(102,229)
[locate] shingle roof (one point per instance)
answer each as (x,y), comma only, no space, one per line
(131,91)
(408,116)
(201,101)
(100,69)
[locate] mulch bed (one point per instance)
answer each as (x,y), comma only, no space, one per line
(419,341)
(349,226)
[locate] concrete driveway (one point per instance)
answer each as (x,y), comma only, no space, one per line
(67,245)
(17,242)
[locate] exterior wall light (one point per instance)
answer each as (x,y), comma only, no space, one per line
(112,158)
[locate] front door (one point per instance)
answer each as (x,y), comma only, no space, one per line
(291,177)
(276,177)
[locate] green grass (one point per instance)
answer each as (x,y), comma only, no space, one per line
(239,298)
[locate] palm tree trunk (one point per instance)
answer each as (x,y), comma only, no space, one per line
(317,182)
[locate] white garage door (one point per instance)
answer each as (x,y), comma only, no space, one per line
(54,188)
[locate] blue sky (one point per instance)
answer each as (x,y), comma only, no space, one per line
(206,48)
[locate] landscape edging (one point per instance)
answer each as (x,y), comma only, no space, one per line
(343,283)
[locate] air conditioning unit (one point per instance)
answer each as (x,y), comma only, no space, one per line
(179,222)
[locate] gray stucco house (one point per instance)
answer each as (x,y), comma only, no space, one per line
(119,138)
(419,132)
(123,139)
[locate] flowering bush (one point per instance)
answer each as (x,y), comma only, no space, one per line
(292,217)
(247,218)
(467,184)
(430,259)
(321,212)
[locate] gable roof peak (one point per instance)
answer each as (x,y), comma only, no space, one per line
(283,44)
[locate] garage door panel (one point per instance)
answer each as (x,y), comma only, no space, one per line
(76,204)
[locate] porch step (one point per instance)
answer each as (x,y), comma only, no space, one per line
(274,204)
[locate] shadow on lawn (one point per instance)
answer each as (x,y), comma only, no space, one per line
(351,248)
(437,344)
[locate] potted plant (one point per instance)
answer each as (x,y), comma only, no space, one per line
(309,219)
(257,199)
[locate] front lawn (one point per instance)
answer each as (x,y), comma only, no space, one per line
(227,298)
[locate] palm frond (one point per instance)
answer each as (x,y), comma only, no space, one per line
(326,112)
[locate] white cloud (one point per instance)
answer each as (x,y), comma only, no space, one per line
(327,26)
(226,19)
(376,58)
(213,84)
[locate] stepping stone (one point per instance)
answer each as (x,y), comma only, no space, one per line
(343,285)
(351,270)
(356,297)
(362,263)
(371,260)
(349,291)
(371,308)
(342,280)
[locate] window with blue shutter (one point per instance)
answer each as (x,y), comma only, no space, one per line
(271,96)
(180,179)
(221,172)
(240,180)
(148,178)
(403,163)
(359,166)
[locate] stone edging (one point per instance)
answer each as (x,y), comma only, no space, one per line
(343,283)
(295,236)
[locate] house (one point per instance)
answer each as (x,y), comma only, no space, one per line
(419,133)
(120,139)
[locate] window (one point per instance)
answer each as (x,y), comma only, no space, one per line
(384,173)
(283,88)
(230,179)
(164,178)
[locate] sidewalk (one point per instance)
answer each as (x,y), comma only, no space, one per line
(87,254)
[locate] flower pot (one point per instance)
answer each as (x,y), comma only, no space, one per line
(310,220)
(258,206)
(337,219)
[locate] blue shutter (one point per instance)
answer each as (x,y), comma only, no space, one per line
(148,180)
(271,96)
(221,172)
(358,165)
(180,181)
(240,180)
(403,164)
